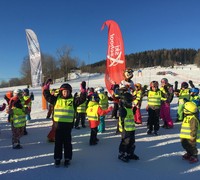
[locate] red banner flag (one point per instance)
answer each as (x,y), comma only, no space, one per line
(115,60)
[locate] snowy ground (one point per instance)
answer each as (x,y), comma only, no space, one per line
(160,156)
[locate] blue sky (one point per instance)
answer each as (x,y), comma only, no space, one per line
(145,25)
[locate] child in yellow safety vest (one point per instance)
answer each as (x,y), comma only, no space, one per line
(153,107)
(25,96)
(127,129)
(94,112)
(81,112)
(103,102)
(137,103)
(190,132)
(17,119)
(183,95)
(64,110)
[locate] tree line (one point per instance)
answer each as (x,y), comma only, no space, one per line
(60,66)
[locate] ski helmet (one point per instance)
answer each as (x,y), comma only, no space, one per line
(190,108)
(195,91)
(17,91)
(127,100)
(90,90)
(66,86)
(184,85)
(9,94)
(99,89)
(164,80)
(26,91)
(94,97)
(138,85)
(154,84)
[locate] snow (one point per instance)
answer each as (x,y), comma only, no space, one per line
(160,156)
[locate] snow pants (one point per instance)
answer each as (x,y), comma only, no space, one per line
(180,112)
(127,144)
(190,147)
(101,127)
(63,139)
(165,114)
(51,135)
(17,133)
(115,109)
(93,135)
(80,117)
(153,119)
(138,116)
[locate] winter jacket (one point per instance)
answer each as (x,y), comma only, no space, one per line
(94,111)
(190,128)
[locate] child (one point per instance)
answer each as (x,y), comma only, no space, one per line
(103,102)
(194,97)
(64,110)
(166,89)
(26,96)
(137,103)
(81,112)
(94,112)
(127,129)
(17,114)
(7,97)
(190,132)
(51,134)
(153,108)
(182,94)
(2,108)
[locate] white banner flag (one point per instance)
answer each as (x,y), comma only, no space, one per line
(35,58)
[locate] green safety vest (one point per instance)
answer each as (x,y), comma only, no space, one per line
(103,102)
(18,118)
(138,95)
(184,93)
(154,98)
(81,108)
(64,110)
(186,130)
(129,123)
(25,99)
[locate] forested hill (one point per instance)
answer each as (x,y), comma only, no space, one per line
(162,57)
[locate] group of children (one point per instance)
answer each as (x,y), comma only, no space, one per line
(68,111)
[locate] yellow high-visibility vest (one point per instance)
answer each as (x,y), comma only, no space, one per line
(18,118)
(154,98)
(64,110)
(129,123)
(186,130)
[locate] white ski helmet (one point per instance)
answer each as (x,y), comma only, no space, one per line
(17,91)
(99,89)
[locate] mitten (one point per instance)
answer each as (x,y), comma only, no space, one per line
(176,86)
(83,86)
(191,84)
(110,108)
(47,84)
(166,89)
(32,96)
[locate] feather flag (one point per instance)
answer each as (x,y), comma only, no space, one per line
(35,58)
(115,60)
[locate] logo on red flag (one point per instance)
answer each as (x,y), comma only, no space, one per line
(115,59)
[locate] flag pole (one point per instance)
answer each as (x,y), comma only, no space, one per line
(89,68)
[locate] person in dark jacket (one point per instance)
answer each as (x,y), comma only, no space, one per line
(64,109)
